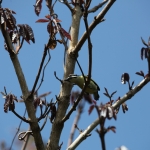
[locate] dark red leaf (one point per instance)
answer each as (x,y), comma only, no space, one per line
(10,11)
(42,20)
(138,73)
(106,91)
(65,34)
(124,107)
(146,50)
(113,93)
(88,98)
(106,94)
(142,51)
(142,73)
(57,20)
(50,28)
(111,128)
(52,44)
(144,42)
(91,109)
(38,7)
(44,95)
(48,16)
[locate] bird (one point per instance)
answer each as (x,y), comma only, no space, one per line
(79,80)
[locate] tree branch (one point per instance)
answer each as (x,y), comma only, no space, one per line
(64,95)
(94,9)
(40,69)
(97,20)
(25,92)
(91,127)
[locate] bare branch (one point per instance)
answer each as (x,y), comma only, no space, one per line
(64,95)
(28,99)
(91,127)
(40,69)
(94,9)
(22,118)
(42,79)
(76,120)
(97,20)
(18,129)
(67,4)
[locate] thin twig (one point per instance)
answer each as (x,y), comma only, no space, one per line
(89,71)
(40,69)
(18,129)
(66,47)
(22,118)
(44,123)
(1,3)
(57,78)
(81,70)
(67,4)
(102,130)
(76,120)
(5,90)
(94,9)
(44,70)
(85,15)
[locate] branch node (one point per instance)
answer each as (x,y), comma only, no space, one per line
(61,81)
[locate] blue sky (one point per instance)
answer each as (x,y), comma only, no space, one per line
(116,49)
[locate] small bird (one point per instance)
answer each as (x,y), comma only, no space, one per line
(92,88)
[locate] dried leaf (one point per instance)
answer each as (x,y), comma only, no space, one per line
(48,16)
(109,112)
(146,50)
(10,20)
(144,42)
(29,33)
(142,73)
(21,30)
(38,7)
(42,20)
(142,51)
(113,93)
(125,78)
(57,20)
(50,28)
(132,84)
(91,108)
(10,11)
(106,95)
(44,95)
(60,41)
(52,44)
(111,128)
(65,34)
(106,91)
(124,107)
